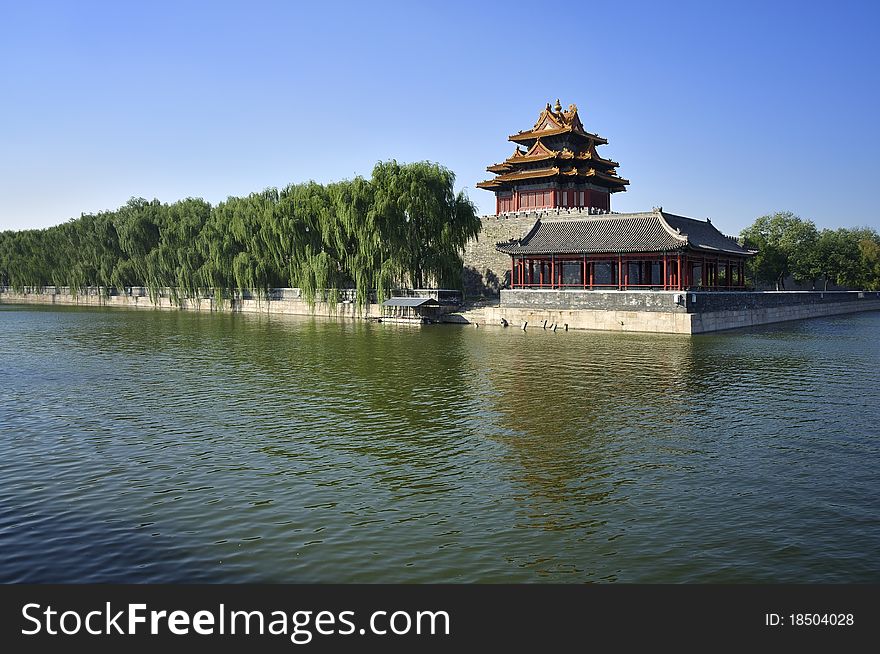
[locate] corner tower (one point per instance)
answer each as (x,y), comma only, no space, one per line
(555,164)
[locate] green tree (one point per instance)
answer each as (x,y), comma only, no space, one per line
(786,246)
(838,257)
(870,251)
(405,225)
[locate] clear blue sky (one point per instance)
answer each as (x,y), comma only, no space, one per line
(729,111)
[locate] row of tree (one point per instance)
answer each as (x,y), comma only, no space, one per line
(789,246)
(405,226)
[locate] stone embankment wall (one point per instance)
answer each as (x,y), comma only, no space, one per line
(673,312)
(663,301)
(280,301)
(716,311)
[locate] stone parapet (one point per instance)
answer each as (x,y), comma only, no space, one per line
(657,301)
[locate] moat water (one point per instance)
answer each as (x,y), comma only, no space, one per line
(159,446)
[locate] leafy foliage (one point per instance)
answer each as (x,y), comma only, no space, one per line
(789,245)
(403,227)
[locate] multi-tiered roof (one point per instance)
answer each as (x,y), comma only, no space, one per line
(557,150)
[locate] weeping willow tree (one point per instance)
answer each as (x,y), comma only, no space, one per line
(422,225)
(405,226)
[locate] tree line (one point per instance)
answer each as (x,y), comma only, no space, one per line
(790,246)
(405,226)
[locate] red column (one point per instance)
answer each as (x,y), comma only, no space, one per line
(552,271)
(680,273)
(619,271)
(665,278)
(585,271)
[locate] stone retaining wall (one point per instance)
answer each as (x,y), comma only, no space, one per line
(675,312)
(627,311)
(739,300)
(712,321)
(616,320)
(663,301)
(287,303)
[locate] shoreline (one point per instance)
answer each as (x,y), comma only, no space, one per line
(665,312)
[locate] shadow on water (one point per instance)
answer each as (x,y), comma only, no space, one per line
(62,546)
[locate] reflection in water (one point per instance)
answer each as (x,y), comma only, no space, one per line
(172,446)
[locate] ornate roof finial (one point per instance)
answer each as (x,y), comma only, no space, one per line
(558,106)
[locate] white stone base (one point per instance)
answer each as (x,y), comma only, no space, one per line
(656,321)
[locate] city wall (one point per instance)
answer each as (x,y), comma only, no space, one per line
(486,270)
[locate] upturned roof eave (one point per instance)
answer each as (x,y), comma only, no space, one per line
(532,134)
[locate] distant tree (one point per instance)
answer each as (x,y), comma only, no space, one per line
(838,257)
(869,249)
(786,246)
(799,245)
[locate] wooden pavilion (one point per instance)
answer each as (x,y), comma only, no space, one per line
(652,250)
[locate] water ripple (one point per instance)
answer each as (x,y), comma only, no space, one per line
(170,446)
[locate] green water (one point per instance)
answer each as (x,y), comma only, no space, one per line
(174,446)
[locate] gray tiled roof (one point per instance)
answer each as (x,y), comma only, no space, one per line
(410,302)
(702,234)
(652,231)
